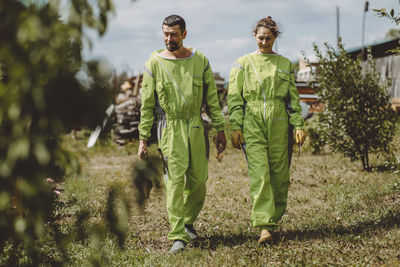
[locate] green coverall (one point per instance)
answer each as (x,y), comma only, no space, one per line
(261,94)
(175,89)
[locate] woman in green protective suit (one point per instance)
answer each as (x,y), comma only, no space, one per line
(262,102)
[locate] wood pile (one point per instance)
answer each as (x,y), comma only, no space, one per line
(127,111)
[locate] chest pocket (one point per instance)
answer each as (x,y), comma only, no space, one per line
(198,81)
(164,90)
(283,82)
(197,87)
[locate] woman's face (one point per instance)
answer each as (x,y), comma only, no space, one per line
(265,40)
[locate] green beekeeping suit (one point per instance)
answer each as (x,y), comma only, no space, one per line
(262,101)
(176,90)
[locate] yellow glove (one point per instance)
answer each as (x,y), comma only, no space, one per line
(237,138)
(300,136)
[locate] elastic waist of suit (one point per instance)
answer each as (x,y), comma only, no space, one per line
(260,103)
(183,116)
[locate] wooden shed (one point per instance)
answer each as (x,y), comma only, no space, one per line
(387,64)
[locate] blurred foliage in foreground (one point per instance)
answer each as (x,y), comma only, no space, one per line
(41,97)
(146,175)
(357,118)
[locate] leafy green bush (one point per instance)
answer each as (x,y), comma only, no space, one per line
(315,134)
(357,118)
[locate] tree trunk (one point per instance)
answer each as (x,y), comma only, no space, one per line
(363,161)
(367,159)
(362,154)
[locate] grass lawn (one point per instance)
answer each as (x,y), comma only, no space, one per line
(337,214)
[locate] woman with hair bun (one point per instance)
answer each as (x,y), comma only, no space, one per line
(262,102)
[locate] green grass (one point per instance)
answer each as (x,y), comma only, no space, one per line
(337,214)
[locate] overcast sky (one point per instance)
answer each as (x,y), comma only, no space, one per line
(221,29)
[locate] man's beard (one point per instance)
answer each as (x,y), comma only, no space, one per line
(172,46)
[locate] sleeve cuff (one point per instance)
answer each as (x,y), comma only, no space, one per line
(143,137)
(220,127)
(236,127)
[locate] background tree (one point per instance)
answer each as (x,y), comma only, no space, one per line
(357,119)
(389,14)
(393,33)
(41,98)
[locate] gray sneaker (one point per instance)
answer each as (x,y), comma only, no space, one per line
(189,229)
(178,245)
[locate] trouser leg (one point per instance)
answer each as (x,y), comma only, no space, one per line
(279,166)
(175,207)
(176,147)
(196,175)
(263,208)
(280,185)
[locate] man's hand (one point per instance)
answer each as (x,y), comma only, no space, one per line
(237,138)
(221,141)
(300,136)
(142,151)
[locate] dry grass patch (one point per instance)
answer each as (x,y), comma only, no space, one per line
(337,215)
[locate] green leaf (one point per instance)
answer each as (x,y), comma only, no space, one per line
(5,201)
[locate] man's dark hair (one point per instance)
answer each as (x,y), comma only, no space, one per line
(173,20)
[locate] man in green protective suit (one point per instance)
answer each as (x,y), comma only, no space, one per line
(177,82)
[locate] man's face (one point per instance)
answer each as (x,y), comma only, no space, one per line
(173,37)
(265,40)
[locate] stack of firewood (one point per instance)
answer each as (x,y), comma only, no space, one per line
(127,111)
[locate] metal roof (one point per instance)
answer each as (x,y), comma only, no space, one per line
(378,43)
